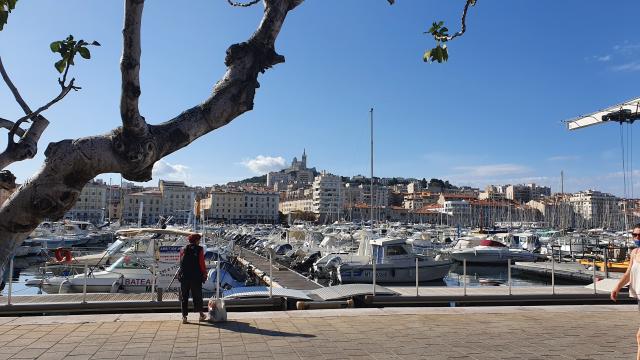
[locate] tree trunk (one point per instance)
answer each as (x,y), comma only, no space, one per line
(70,164)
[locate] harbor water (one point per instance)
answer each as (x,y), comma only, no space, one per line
(477,275)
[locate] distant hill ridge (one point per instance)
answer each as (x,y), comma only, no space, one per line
(255,180)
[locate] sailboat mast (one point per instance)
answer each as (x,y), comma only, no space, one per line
(371,189)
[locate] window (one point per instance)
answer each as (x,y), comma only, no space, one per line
(393,250)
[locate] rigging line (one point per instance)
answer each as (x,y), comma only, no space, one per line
(624,173)
(632,184)
(627,157)
(631,162)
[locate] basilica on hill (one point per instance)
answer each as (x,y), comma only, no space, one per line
(296,173)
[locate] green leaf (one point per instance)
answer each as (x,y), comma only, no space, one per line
(427,56)
(55,46)
(60,65)
(438,54)
(84,52)
(4,16)
(95,43)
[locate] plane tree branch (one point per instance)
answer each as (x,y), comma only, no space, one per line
(463,28)
(70,164)
(133,123)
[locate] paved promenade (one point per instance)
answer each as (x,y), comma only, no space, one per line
(551,332)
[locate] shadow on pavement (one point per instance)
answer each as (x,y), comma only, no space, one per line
(247,328)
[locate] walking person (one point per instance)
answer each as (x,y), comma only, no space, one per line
(632,277)
(192,274)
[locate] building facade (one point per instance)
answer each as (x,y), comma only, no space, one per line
(172,200)
(145,206)
(526,192)
(231,206)
(328,196)
(296,205)
(296,172)
(92,203)
(177,200)
(596,209)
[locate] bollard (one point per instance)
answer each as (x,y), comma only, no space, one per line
(553,274)
(595,279)
(84,285)
(270,277)
(464,276)
(417,280)
(509,274)
(9,290)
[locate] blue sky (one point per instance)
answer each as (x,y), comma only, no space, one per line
(492,114)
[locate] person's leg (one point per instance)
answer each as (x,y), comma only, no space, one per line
(184,298)
(196,291)
(638,340)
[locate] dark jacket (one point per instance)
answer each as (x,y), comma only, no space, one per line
(192,266)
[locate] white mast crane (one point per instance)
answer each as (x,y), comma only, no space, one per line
(626,112)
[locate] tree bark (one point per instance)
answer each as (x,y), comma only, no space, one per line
(70,164)
(132,122)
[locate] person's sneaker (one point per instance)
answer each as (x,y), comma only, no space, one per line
(203,317)
(184,320)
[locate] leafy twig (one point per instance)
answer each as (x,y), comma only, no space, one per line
(439,32)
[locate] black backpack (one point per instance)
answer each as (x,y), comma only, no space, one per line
(190,263)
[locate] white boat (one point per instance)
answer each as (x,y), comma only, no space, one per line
(492,252)
(135,270)
(395,262)
(524,240)
(574,244)
(108,256)
(55,235)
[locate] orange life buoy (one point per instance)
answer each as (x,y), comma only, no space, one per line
(63,254)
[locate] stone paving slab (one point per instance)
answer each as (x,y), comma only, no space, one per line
(549,332)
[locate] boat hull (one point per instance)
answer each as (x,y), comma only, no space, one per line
(390,273)
(492,257)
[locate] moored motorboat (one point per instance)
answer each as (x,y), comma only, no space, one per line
(492,252)
(394,263)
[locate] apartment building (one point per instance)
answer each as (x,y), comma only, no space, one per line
(526,192)
(327,196)
(92,203)
(177,200)
(148,201)
(231,206)
(171,199)
(380,195)
(296,205)
(594,206)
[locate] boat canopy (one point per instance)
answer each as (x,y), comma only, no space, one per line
(388,241)
(487,242)
(139,231)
